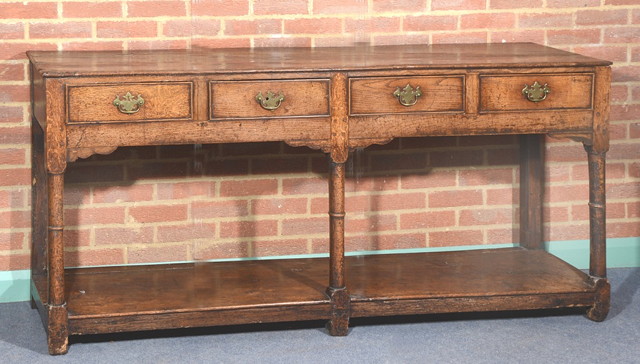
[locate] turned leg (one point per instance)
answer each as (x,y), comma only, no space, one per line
(531,190)
(598,233)
(337,292)
(58,323)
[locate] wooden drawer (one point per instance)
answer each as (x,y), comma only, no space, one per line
(375,95)
(505,92)
(126,102)
(239,99)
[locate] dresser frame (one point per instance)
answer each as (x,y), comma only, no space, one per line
(66,125)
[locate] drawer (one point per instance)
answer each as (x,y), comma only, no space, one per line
(269,99)
(545,92)
(125,102)
(377,95)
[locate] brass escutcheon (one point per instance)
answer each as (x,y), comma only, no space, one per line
(408,96)
(128,104)
(271,101)
(536,92)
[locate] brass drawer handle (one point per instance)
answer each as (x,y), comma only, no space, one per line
(271,101)
(128,104)
(408,96)
(536,92)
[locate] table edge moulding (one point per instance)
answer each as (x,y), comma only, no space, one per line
(333,100)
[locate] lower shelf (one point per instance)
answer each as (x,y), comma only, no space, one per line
(223,293)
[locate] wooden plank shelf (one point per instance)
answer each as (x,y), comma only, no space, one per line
(223,293)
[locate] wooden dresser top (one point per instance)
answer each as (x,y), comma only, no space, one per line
(212,61)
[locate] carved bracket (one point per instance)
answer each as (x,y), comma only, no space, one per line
(74,153)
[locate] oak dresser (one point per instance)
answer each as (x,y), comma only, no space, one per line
(333,100)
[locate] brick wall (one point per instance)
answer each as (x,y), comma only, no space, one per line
(166,204)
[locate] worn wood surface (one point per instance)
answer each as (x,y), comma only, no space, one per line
(335,99)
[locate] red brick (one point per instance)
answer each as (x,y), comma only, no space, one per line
(15,177)
(629,34)
(429,219)
(379,183)
(486,217)
(634,170)
(557,173)
(93,257)
(128,29)
(624,112)
(92,46)
(479,177)
(617,131)
(305,186)
(158,254)
(621,2)
(370,223)
(249,187)
(237,229)
(220,7)
(15,135)
(187,28)
(353,204)
(635,19)
(455,198)
(15,262)
(213,209)
(81,173)
(305,226)
(434,179)
(555,214)
(13,198)
(515,35)
(430,23)
(458,4)
(572,3)
(633,209)
(283,165)
(456,158)
(488,20)
(463,37)
(181,190)
(75,238)
(12,51)
(601,17)
(12,156)
(265,248)
(270,7)
(502,236)
(368,25)
(149,8)
(28,10)
(14,93)
(12,240)
(313,26)
(566,153)
(510,4)
(124,235)
(634,130)
(399,161)
(623,229)
(623,151)
(401,39)
(502,196)
(257,26)
(76,195)
(179,233)
(635,93)
(625,190)
(158,213)
(545,20)
(12,31)
(566,193)
(279,206)
(455,237)
(381,6)
(397,201)
(285,41)
(10,114)
(72,29)
(91,9)
(94,215)
(157,44)
(573,36)
(339,6)
(610,53)
(107,194)
(221,250)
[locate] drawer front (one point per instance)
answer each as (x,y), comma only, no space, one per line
(269,99)
(541,92)
(377,95)
(130,102)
